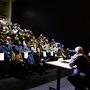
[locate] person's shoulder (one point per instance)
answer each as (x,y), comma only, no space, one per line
(84,56)
(81,55)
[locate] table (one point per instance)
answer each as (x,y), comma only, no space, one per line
(59,65)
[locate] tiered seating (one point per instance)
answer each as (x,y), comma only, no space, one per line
(21,47)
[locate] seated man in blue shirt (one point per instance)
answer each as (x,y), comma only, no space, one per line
(7,49)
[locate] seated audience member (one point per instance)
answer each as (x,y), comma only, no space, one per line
(33,63)
(17,57)
(81,75)
(37,59)
(59,53)
(7,48)
(24,48)
(65,53)
(18,65)
(30,62)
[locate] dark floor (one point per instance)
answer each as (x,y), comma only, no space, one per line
(65,85)
(36,82)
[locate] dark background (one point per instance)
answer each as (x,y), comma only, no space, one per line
(68,21)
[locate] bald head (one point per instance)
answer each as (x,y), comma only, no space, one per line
(79,49)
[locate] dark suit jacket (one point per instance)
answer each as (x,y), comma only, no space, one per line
(82,62)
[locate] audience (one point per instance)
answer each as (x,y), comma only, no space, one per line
(15,41)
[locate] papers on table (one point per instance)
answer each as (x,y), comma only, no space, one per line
(64,61)
(60,59)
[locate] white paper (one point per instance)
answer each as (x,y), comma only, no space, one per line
(60,59)
(44,54)
(51,53)
(25,55)
(1,56)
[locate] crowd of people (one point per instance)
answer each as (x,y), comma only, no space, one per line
(21,46)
